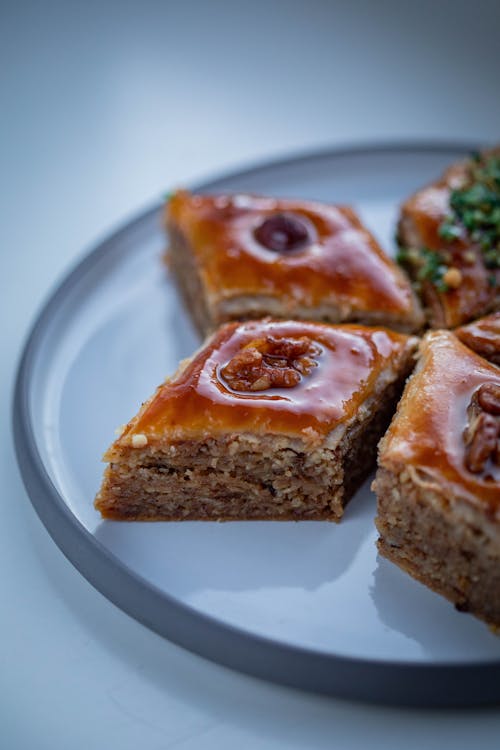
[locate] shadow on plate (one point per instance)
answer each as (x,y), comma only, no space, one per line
(410,608)
(188,556)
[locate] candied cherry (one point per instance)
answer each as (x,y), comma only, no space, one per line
(283,232)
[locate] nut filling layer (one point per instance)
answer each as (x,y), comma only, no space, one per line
(271,363)
(482,434)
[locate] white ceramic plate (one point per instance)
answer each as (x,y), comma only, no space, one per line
(308,604)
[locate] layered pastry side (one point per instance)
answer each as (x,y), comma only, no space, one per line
(240,257)
(268,420)
(483,336)
(449,241)
(438,481)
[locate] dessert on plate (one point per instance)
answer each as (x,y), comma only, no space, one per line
(238,257)
(268,420)
(483,336)
(449,241)
(438,481)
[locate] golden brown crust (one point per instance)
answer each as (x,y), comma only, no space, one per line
(199,401)
(340,274)
(202,449)
(245,476)
(428,432)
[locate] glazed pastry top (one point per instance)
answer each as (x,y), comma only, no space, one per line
(303,252)
(447,426)
(279,377)
(483,336)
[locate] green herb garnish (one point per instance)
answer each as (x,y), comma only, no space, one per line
(402,255)
(432,269)
(448,230)
(428,265)
(475,208)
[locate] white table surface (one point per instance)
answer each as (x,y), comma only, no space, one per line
(103,106)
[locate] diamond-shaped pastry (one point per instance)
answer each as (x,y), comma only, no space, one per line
(268,420)
(438,481)
(239,257)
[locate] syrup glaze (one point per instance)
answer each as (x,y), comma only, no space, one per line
(426,210)
(428,430)
(341,262)
(197,402)
(483,336)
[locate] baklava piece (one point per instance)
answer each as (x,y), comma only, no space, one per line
(268,420)
(240,257)
(438,481)
(449,241)
(483,336)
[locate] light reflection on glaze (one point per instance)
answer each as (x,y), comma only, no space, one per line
(343,262)
(428,431)
(196,401)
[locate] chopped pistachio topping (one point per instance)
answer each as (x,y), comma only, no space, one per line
(475,209)
(432,269)
(448,230)
(402,255)
(474,214)
(427,264)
